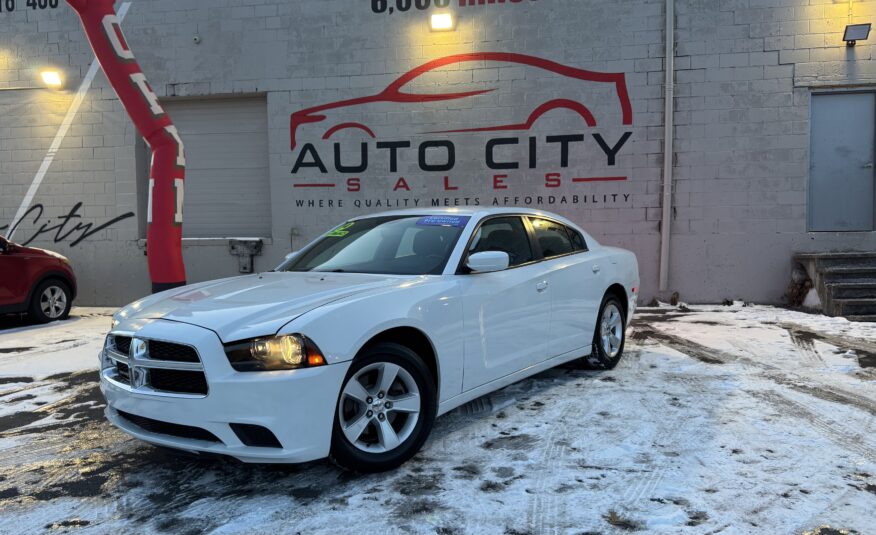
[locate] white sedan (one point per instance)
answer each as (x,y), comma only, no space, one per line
(353,346)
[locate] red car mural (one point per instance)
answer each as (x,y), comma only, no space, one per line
(394,94)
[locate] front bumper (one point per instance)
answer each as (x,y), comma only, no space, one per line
(296,406)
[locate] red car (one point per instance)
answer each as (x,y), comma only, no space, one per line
(38,282)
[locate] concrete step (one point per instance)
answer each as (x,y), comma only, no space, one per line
(825,260)
(851,290)
(850,274)
(854,307)
(870,318)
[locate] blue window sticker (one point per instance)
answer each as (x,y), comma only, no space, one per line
(444,221)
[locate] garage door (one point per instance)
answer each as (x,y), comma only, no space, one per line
(227,184)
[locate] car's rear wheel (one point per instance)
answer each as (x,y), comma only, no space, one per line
(51,301)
(385,410)
(610,335)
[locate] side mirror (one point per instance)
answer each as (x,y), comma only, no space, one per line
(488,261)
(4,245)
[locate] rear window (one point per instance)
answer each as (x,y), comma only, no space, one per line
(577,239)
(553,238)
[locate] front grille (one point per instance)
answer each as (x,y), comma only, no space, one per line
(122,344)
(123,371)
(166,367)
(186,382)
(174,352)
(166,428)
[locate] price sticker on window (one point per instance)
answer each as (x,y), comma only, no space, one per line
(341,231)
(444,221)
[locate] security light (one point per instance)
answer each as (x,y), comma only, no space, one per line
(856,32)
(52,79)
(442,22)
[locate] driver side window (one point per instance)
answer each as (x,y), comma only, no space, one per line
(506,234)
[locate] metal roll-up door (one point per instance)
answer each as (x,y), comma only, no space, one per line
(227,190)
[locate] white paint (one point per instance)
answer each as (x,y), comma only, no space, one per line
(60,135)
(181,150)
(142,84)
(109,26)
(149,202)
(179,196)
(484,324)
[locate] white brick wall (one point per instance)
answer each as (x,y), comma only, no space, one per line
(745,70)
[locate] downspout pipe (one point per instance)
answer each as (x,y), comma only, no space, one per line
(668,143)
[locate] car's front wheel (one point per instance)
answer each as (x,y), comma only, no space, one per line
(385,410)
(51,301)
(610,335)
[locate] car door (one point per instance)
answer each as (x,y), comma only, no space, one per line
(14,283)
(576,286)
(506,313)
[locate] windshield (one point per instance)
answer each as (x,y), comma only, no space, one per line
(402,245)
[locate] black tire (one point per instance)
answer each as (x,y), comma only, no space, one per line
(35,311)
(600,357)
(350,457)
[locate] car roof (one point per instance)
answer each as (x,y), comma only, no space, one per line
(475,212)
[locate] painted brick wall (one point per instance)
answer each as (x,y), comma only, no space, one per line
(745,70)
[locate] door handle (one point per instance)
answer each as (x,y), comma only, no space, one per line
(541,286)
(596,268)
(867,166)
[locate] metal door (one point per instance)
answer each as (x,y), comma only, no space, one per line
(228,188)
(841,162)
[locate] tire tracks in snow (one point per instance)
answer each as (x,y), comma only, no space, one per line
(799,382)
(667,433)
(542,514)
(845,437)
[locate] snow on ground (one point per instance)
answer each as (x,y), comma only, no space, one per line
(718,420)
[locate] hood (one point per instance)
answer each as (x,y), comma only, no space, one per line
(253,305)
(36,251)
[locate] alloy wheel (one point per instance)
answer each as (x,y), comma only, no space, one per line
(611,330)
(53,302)
(379,407)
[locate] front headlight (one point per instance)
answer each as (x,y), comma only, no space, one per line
(286,352)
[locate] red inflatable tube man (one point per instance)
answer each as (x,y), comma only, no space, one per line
(167,173)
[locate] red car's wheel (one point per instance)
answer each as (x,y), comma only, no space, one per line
(51,301)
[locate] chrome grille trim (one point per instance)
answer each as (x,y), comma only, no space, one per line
(138,369)
(160,364)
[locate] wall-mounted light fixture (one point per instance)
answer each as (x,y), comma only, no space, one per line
(855,33)
(442,22)
(48,78)
(52,79)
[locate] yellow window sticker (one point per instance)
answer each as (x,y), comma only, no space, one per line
(341,231)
